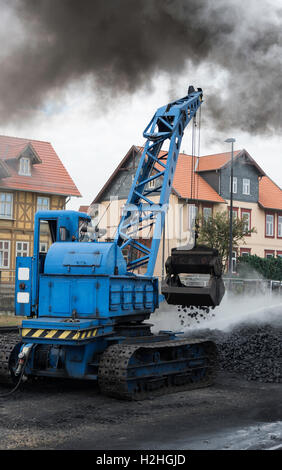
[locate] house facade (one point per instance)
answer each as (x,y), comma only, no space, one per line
(256,198)
(201,186)
(32,178)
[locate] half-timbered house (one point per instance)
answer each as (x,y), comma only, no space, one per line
(32,177)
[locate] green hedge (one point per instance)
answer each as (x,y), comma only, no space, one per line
(254,266)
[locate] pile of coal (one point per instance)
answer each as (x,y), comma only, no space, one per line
(252,351)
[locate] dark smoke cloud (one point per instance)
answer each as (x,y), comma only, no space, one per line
(124,44)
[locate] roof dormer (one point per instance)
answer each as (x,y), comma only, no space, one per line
(27,157)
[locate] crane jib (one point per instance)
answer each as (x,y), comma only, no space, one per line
(148,198)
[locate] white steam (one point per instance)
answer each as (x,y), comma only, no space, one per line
(233,310)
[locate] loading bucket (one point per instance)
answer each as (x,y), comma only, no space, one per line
(199,260)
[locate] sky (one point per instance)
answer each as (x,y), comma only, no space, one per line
(92,120)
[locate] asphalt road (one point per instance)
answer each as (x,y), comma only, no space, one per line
(231,414)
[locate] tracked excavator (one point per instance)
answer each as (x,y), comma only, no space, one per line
(84,307)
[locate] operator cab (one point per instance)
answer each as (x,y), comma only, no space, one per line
(58,226)
(50,227)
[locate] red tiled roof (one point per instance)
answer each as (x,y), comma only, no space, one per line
(215,161)
(181,182)
(191,185)
(83,209)
(8,151)
(270,195)
(4,169)
(49,176)
(219,160)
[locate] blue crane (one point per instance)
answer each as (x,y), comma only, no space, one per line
(84,307)
(168,124)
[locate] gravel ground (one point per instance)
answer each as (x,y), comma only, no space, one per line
(73,415)
(241,410)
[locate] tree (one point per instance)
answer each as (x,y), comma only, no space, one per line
(215,232)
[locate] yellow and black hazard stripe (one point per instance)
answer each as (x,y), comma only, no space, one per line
(58,334)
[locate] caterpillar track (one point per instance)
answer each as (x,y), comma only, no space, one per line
(136,372)
(9,339)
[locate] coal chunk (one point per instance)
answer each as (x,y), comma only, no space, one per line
(253,351)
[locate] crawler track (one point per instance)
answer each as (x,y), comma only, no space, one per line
(9,338)
(135,371)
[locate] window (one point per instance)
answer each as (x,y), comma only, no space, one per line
(234,184)
(269,225)
(234,256)
(269,253)
(246,186)
(207,212)
(279,254)
(43,203)
(24,167)
(234,212)
(192,214)
(4,254)
(152,184)
(246,216)
(245,251)
(22,249)
(43,247)
(279,226)
(6,205)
